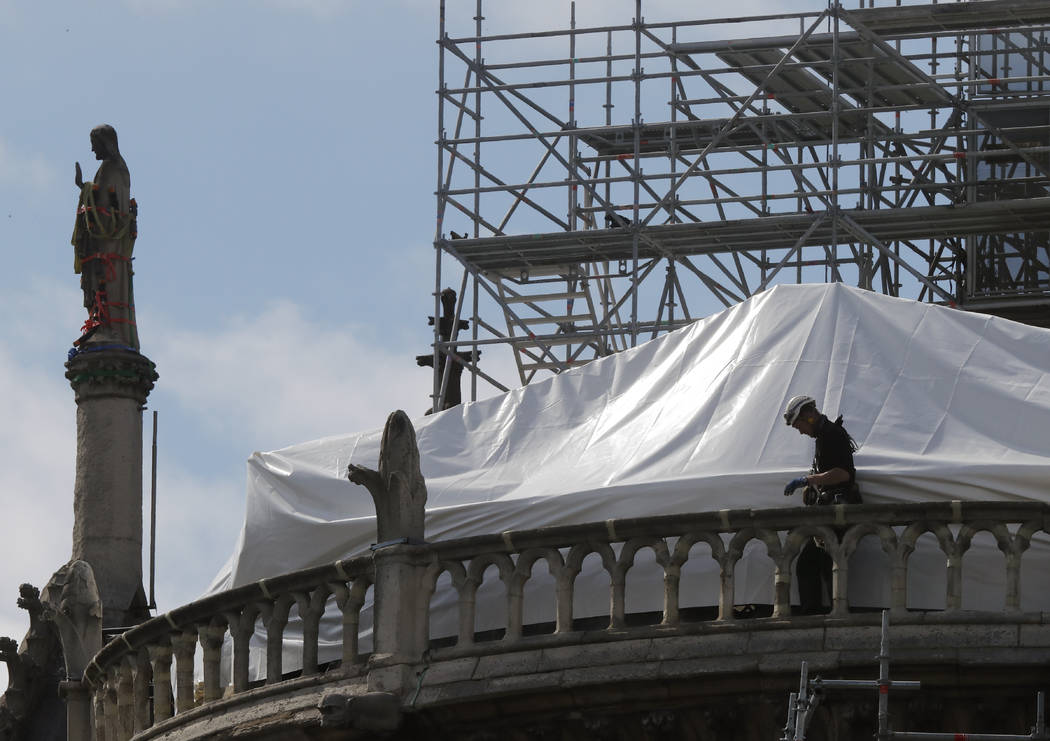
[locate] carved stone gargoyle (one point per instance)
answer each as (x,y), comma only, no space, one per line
(72,602)
(30,707)
(397,488)
(378,712)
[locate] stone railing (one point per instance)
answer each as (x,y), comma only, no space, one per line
(130,677)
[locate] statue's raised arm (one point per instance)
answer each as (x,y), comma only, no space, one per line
(103,241)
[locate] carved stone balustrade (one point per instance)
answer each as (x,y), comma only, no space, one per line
(130,677)
(473,666)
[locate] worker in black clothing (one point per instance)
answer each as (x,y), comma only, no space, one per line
(832,480)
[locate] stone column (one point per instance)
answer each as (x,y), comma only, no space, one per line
(401,557)
(400,618)
(78,709)
(111,385)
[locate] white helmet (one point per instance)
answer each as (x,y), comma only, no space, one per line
(795,407)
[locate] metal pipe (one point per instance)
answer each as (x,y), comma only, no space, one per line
(836,106)
(477,125)
(153,520)
(789,727)
(474,338)
(636,167)
(863,684)
(906,186)
(803,703)
(667,24)
(571,119)
(921,736)
(884,679)
(441,201)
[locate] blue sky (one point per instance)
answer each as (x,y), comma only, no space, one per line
(282,156)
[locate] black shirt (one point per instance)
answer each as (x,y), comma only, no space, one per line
(834,449)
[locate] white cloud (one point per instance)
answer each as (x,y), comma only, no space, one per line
(47,308)
(25,170)
(278,377)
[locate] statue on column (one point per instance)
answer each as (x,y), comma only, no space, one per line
(447,327)
(103,240)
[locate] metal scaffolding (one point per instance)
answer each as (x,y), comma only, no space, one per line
(598,186)
(802,704)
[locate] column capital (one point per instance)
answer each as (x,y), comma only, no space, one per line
(100,372)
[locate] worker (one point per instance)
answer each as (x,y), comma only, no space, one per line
(832,480)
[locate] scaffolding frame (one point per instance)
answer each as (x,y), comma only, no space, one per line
(901,147)
(802,704)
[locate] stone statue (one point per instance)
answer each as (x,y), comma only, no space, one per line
(397,488)
(30,707)
(446,322)
(19,677)
(103,240)
(72,602)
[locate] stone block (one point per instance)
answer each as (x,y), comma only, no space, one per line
(726,644)
(1004,656)
(453,670)
(627,672)
(857,638)
(500,665)
(451,692)
(674,669)
(596,654)
(864,659)
(792,639)
(396,678)
(524,683)
(923,656)
(791,662)
(952,636)
(1035,635)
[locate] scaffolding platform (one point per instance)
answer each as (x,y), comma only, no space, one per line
(513,255)
(928,19)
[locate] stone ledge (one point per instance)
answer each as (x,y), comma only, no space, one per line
(751,630)
(455,670)
(700,646)
(292,703)
(660,663)
(1035,635)
(789,639)
(958,636)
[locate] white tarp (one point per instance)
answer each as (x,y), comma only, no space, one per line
(944,404)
